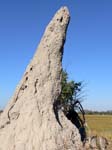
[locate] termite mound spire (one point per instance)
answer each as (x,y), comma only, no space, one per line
(29,121)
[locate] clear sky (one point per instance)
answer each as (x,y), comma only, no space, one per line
(88,48)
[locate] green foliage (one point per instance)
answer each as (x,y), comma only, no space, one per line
(70,92)
(91,112)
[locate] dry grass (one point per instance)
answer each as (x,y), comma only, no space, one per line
(100,125)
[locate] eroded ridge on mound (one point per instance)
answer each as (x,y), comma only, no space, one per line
(29,122)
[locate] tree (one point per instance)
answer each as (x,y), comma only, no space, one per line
(70,102)
(70,98)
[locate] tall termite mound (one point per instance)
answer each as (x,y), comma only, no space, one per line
(29,121)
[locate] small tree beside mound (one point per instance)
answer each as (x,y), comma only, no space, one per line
(70,97)
(70,102)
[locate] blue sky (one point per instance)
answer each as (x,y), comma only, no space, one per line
(88,48)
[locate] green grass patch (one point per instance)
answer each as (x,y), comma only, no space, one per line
(100,125)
